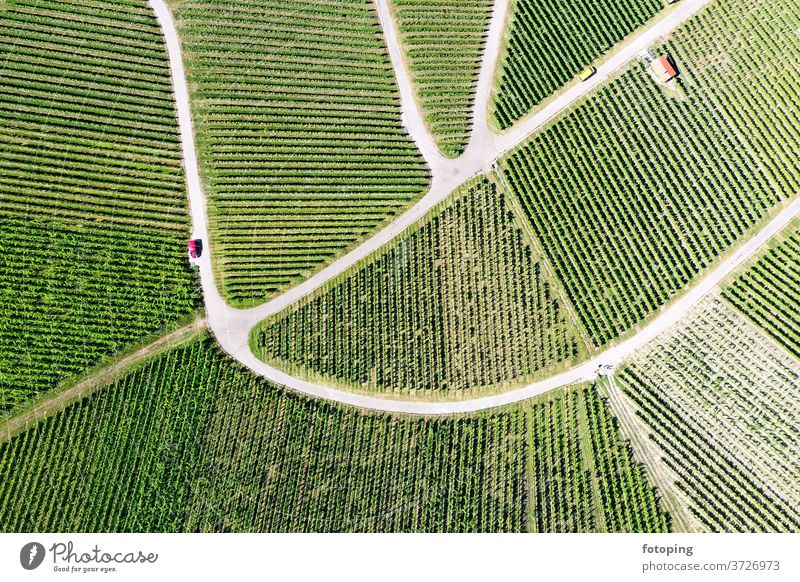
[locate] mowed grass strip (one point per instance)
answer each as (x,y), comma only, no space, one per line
(297,118)
(93,220)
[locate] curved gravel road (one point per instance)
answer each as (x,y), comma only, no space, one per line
(232,326)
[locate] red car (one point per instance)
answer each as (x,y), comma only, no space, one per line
(195,248)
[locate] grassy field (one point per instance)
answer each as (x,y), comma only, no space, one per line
(192,442)
(461,303)
(297,117)
(93,220)
(547,42)
(722,404)
(443,42)
(641,187)
(769,291)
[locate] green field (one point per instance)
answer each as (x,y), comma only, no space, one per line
(639,188)
(768,292)
(568,243)
(547,42)
(93,220)
(192,442)
(297,117)
(723,405)
(582,475)
(462,302)
(443,42)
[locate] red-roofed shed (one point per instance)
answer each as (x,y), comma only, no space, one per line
(664,69)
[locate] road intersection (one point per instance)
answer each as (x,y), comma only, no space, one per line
(232,327)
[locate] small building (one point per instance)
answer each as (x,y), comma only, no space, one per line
(664,69)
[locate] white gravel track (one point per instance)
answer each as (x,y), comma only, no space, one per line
(232,326)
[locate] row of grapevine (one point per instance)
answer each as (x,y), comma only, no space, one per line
(190,441)
(637,190)
(583,476)
(462,302)
(769,291)
(443,42)
(723,404)
(345,471)
(548,42)
(297,117)
(93,219)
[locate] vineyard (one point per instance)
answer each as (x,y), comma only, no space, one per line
(192,442)
(301,148)
(637,190)
(724,406)
(548,42)
(443,43)
(93,219)
(769,291)
(582,473)
(569,242)
(462,302)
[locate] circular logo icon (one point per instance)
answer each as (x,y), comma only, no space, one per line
(31,555)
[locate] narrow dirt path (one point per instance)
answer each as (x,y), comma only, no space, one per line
(647,453)
(232,327)
(61,398)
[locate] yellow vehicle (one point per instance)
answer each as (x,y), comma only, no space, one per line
(587,73)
